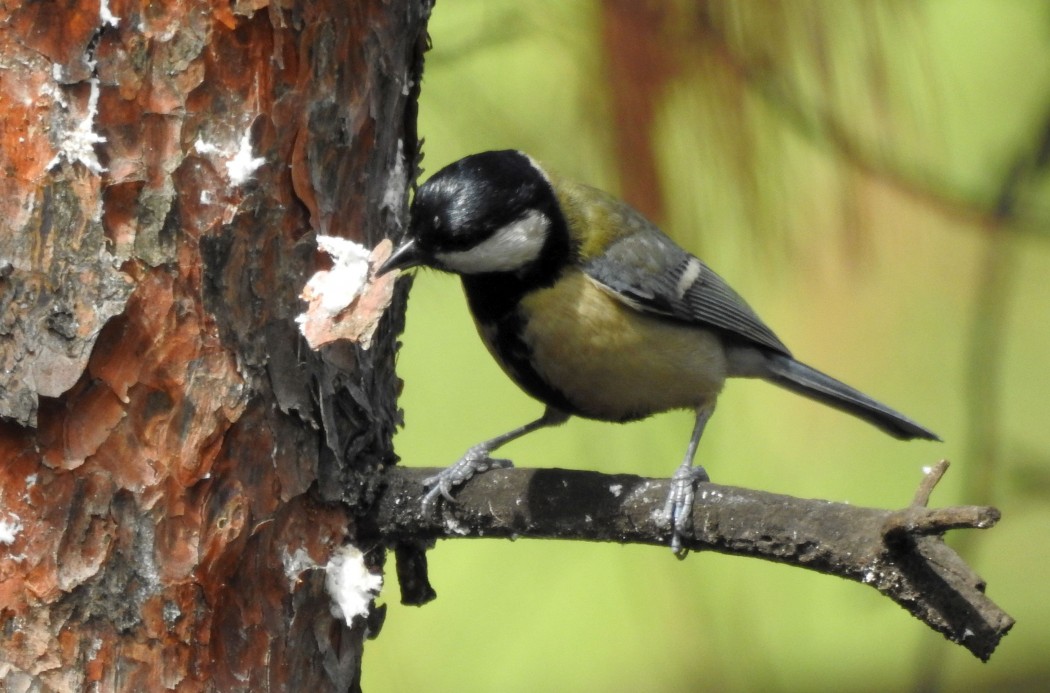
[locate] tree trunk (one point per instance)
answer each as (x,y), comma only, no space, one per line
(174,460)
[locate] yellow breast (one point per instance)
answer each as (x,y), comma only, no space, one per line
(613,362)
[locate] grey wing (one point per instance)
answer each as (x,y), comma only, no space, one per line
(647,271)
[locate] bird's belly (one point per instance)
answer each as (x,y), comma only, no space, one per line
(613,362)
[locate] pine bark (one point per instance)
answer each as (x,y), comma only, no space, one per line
(174,461)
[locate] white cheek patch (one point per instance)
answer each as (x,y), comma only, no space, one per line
(511,248)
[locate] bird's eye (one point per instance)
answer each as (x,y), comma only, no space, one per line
(437,221)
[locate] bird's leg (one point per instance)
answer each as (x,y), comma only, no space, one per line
(477,460)
(678,509)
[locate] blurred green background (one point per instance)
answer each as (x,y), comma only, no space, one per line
(870,176)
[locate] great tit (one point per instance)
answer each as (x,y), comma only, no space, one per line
(595,312)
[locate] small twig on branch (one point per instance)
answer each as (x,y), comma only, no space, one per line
(898,552)
(929,481)
(918,520)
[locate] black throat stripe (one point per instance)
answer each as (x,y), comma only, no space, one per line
(494,300)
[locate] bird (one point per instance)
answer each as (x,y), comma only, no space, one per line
(594,311)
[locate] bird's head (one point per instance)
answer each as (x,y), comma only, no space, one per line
(487,213)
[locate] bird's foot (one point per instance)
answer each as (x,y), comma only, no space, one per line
(677,512)
(475,461)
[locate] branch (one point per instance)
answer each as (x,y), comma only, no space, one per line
(898,552)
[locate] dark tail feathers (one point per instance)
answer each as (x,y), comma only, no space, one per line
(809,382)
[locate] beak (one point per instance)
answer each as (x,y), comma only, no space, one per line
(404,256)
